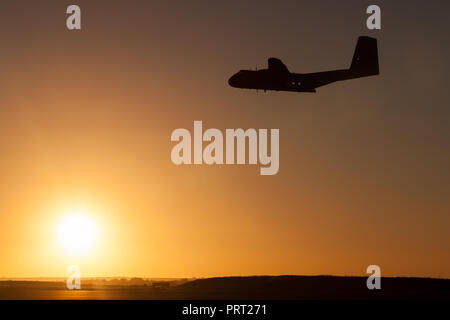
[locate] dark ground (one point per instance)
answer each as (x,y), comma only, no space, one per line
(237,288)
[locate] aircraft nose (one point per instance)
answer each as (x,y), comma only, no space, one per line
(232,81)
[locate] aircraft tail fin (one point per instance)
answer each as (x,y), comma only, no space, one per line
(365,58)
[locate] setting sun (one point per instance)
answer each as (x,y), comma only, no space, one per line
(78,233)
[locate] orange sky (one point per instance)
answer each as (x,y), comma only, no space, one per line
(86,118)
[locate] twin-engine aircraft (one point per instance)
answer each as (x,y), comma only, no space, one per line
(277,77)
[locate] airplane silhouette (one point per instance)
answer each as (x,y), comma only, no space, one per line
(277,77)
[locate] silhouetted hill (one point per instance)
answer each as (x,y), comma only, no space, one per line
(314,287)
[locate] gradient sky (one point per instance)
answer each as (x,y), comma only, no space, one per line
(86,118)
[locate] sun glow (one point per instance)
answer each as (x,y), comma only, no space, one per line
(78,233)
